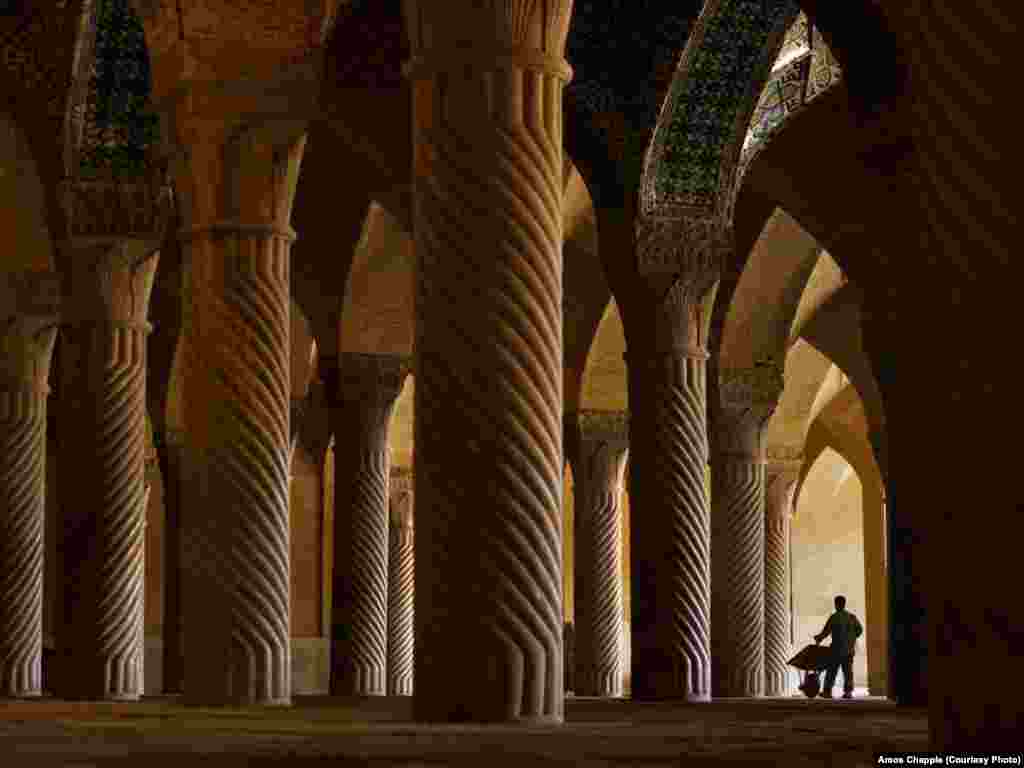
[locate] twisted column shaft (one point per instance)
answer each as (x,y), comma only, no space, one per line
(780,483)
(737,577)
(488,195)
(28,345)
(666,313)
(401,564)
(240,335)
(103,458)
(236,326)
(365,388)
(747,399)
(22,477)
(598,470)
(669,534)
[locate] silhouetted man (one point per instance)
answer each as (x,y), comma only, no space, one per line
(845,628)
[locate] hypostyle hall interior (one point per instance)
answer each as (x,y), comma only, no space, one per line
(508,381)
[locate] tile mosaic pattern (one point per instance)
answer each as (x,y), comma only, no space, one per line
(811,70)
(118,130)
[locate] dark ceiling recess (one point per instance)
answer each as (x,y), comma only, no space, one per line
(369,45)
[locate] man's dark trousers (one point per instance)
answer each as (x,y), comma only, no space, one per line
(846,662)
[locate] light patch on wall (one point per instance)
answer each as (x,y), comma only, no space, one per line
(844,474)
(604,379)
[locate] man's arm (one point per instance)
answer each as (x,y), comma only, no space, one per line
(826,631)
(857,628)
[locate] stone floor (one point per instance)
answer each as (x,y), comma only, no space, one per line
(374,733)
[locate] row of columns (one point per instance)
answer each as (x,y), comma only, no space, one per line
(362,390)
(488,560)
(752,504)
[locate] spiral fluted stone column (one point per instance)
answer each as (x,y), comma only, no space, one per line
(666,320)
(33,301)
(365,389)
(487,103)
(236,388)
(103,456)
(747,399)
(780,480)
(401,583)
(598,468)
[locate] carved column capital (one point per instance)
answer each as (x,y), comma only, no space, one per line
(494,34)
(666,325)
(110,285)
(604,426)
(747,400)
(106,210)
(780,479)
(785,454)
(371,377)
(30,329)
(598,441)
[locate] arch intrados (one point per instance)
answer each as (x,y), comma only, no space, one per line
(831,426)
(606,359)
(806,373)
(376,314)
(760,306)
(835,329)
(809,465)
(824,282)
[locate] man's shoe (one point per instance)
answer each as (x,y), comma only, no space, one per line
(848,695)
(826,694)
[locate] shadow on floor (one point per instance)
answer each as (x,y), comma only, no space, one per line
(376,732)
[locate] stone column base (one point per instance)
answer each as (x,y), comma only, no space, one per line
(311,665)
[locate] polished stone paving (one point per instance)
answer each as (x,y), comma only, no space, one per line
(377,732)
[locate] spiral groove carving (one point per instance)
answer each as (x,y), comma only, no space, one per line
(599,597)
(22,478)
(250,468)
(401,563)
(120,435)
(671,629)
(489,299)
(738,576)
(776,603)
(362,656)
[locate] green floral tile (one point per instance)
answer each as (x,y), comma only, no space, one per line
(119,129)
